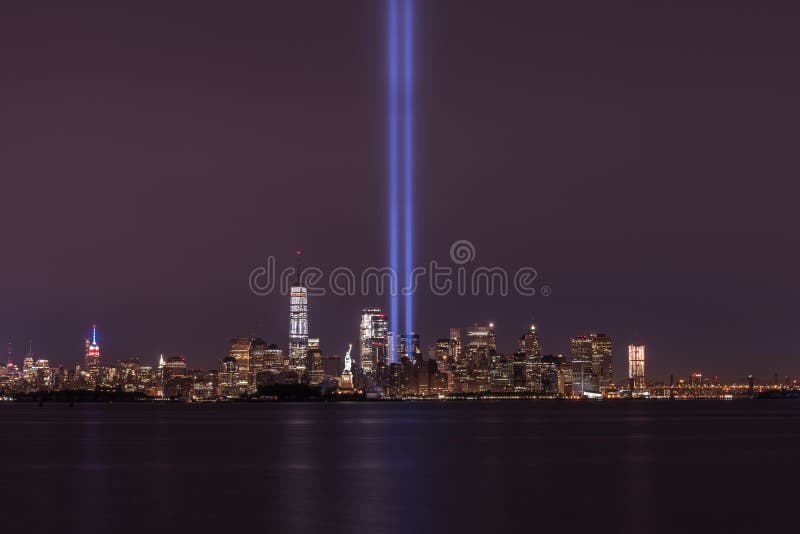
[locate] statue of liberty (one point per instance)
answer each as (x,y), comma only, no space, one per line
(347,360)
(346,380)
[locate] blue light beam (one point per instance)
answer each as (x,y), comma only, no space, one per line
(408,63)
(393,75)
(400,61)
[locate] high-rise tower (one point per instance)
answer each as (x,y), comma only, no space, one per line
(530,347)
(636,367)
(240,351)
(92,354)
(591,363)
(454,350)
(581,358)
(373,339)
(298,322)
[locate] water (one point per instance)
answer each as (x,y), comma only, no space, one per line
(400,467)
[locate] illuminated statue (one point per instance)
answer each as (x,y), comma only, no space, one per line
(346,380)
(347,360)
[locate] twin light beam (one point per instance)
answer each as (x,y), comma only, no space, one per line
(401,110)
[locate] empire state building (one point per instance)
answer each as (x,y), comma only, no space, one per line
(92,355)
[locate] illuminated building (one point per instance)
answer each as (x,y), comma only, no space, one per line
(529,345)
(274,360)
(564,375)
(258,359)
(529,342)
(581,356)
(636,367)
(591,363)
(40,375)
(480,338)
(455,345)
(240,351)
(697,380)
(500,373)
(176,383)
(391,342)
(550,377)
(203,384)
(147,377)
(127,375)
(92,355)
(315,366)
(479,353)
(601,360)
(441,352)
(27,366)
(409,350)
(298,323)
(10,367)
(519,372)
(228,378)
(373,339)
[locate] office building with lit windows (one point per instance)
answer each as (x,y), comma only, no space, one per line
(636,367)
(373,339)
(298,327)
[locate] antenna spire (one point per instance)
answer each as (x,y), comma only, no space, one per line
(94,334)
(298,271)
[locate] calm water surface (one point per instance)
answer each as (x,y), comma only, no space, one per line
(401,467)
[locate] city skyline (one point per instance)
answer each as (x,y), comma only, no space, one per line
(590,355)
(145,183)
(399,266)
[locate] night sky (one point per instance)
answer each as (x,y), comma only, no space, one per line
(642,156)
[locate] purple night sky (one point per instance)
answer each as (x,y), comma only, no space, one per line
(642,156)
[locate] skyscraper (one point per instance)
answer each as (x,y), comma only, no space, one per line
(174,372)
(481,342)
(455,345)
(240,351)
(298,323)
(408,347)
(479,354)
(636,367)
(92,354)
(391,347)
(441,352)
(273,359)
(529,345)
(373,339)
(258,355)
(581,357)
(591,363)
(315,365)
(601,360)
(10,361)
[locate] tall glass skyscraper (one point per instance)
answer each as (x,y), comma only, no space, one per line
(298,326)
(581,357)
(530,347)
(636,367)
(373,339)
(591,363)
